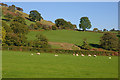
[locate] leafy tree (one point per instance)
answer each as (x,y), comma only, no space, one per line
(18,14)
(8,16)
(41,42)
(6,27)
(19,28)
(62,24)
(12,39)
(18,8)
(3,34)
(109,41)
(104,29)
(11,8)
(20,20)
(39,25)
(112,29)
(2,4)
(33,26)
(35,15)
(85,45)
(95,29)
(54,27)
(85,23)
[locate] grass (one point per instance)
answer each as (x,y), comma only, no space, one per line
(74,37)
(23,65)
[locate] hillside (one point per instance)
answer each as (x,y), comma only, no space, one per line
(67,36)
(24,15)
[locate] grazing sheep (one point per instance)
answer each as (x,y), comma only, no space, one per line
(56,55)
(89,55)
(31,54)
(109,57)
(73,54)
(95,56)
(82,55)
(38,53)
(77,55)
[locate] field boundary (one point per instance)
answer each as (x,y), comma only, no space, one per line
(62,51)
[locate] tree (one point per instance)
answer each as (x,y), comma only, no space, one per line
(63,24)
(6,27)
(12,39)
(109,41)
(33,26)
(2,4)
(19,28)
(41,42)
(95,29)
(35,15)
(54,27)
(85,45)
(112,29)
(104,29)
(20,20)
(8,16)
(60,23)
(39,25)
(85,23)
(11,8)
(3,34)
(18,8)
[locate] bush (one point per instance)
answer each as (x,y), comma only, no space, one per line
(85,45)
(109,41)
(62,51)
(54,27)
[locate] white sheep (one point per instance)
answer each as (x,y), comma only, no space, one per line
(109,57)
(31,54)
(38,53)
(73,54)
(95,56)
(82,55)
(56,55)
(89,55)
(77,55)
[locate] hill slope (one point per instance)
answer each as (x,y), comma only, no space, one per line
(67,36)
(24,15)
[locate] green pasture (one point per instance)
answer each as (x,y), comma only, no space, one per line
(17,64)
(75,37)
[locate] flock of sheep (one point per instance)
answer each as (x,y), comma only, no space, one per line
(75,55)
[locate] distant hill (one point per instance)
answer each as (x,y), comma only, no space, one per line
(24,15)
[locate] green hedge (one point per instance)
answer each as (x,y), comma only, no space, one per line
(62,51)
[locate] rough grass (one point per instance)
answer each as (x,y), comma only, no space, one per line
(74,37)
(23,65)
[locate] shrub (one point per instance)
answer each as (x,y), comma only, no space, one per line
(109,41)
(54,27)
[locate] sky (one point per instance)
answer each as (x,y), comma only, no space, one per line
(101,14)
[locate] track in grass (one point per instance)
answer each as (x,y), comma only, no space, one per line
(24,65)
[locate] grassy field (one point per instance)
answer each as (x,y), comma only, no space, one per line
(74,37)
(24,65)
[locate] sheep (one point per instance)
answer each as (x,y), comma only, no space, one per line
(95,56)
(73,54)
(77,55)
(82,55)
(109,57)
(89,55)
(56,55)
(38,53)
(31,54)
